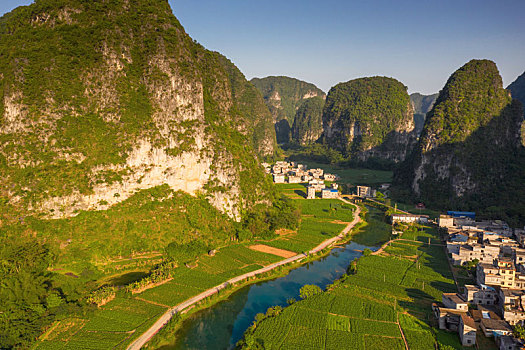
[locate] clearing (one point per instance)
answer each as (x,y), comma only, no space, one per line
(271,250)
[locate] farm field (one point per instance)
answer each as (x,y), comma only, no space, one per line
(116,324)
(388,296)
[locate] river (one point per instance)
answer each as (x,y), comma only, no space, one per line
(223,325)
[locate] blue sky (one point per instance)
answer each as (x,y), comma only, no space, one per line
(419,42)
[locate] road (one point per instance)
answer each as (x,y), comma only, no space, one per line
(161,322)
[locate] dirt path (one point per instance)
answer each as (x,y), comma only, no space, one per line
(161,322)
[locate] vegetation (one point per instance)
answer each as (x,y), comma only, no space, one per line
(308,122)
(369,307)
(283,97)
(89,91)
(473,113)
(369,113)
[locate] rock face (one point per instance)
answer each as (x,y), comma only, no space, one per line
(308,123)
(421,104)
(101,99)
(517,89)
(284,96)
(470,142)
(369,117)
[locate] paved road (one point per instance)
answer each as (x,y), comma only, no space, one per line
(161,322)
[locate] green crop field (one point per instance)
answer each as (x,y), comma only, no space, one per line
(368,308)
(117,323)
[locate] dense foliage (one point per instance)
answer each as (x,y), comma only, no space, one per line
(284,96)
(369,116)
(470,155)
(308,123)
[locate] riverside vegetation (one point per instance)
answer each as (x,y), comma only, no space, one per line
(384,300)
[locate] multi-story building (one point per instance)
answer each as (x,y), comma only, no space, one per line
(502,273)
(475,251)
(409,218)
(310,192)
(329,193)
(279,178)
(480,295)
(365,192)
(317,184)
(511,305)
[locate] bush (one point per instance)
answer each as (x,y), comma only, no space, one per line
(309,290)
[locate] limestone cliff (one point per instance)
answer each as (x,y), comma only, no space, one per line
(422,104)
(101,99)
(369,117)
(308,123)
(284,96)
(469,152)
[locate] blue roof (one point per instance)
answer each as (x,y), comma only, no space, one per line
(457,214)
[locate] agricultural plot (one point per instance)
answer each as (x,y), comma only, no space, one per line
(327,209)
(367,309)
(108,327)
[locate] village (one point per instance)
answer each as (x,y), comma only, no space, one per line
(494,304)
(294,173)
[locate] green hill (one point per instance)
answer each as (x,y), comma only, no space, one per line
(422,104)
(284,96)
(308,123)
(99,100)
(369,117)
(469,154)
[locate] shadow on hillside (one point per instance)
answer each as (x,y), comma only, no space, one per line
(300,193)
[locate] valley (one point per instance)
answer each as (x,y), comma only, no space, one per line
(154,195)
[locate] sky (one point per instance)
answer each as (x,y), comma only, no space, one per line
(419,42)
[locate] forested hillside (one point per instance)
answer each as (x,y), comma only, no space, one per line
(469,155)
(284,96)
(369,117)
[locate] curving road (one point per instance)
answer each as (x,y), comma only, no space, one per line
(161,322)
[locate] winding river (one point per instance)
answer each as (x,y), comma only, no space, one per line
(223,325)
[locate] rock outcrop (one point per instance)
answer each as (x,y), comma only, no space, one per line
(102,99)
(369,117)
(308,123)
(284,96)
(422,104)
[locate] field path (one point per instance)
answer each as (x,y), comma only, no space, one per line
(161,322)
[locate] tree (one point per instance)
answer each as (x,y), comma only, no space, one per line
(519,332)
(309,290)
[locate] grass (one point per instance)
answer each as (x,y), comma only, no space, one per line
(366,309)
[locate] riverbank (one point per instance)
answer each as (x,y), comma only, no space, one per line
(385,303)
(241,281)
